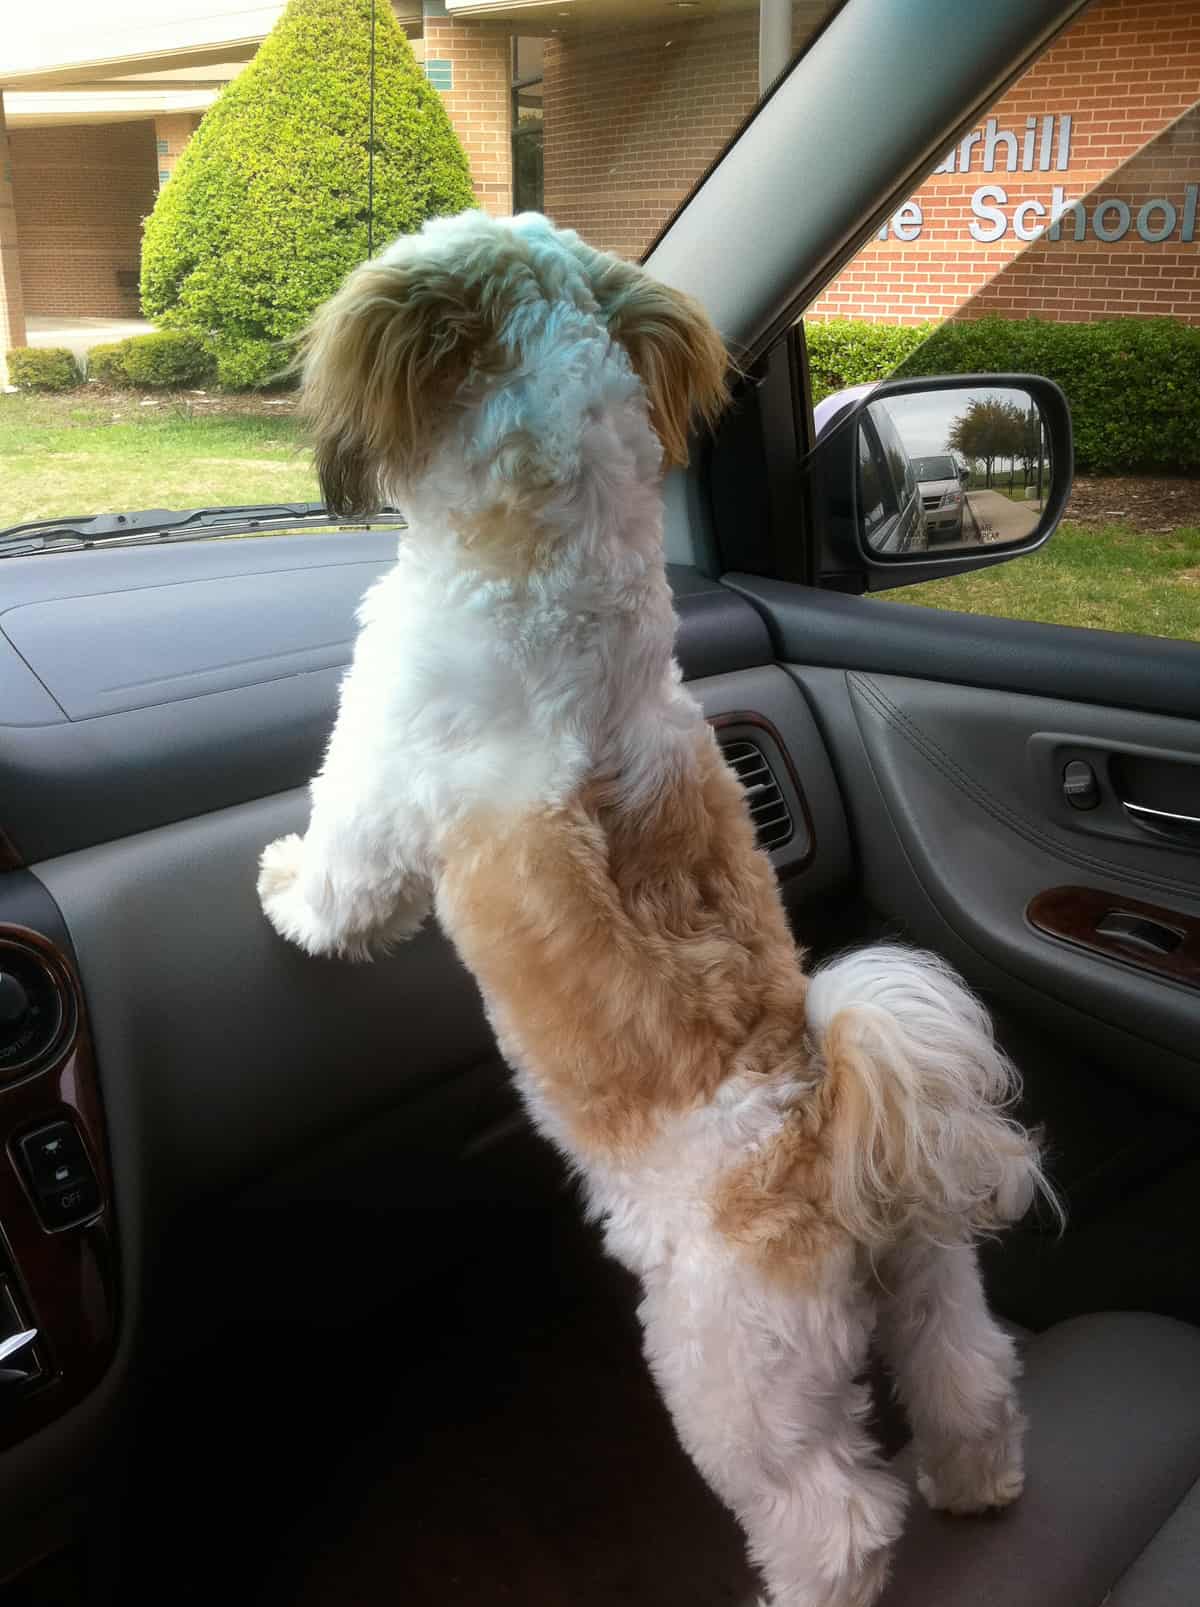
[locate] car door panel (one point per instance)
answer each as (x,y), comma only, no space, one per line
(1009,655)
(955,841)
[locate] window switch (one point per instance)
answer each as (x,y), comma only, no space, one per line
(60,1175)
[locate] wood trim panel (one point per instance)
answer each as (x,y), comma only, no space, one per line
(1073,915)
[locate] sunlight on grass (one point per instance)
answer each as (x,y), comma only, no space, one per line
(84,454)
(79,455)
(1110,578)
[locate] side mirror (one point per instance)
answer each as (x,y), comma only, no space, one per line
(886,474)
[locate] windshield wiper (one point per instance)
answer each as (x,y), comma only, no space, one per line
(161,524)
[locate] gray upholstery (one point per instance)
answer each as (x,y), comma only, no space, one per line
(1111,1500)
(1167,1574)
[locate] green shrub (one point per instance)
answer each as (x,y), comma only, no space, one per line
(107,363)
(845,352)
(167,358)
(43,368)
(266,210)
(252,365)
(1133,383)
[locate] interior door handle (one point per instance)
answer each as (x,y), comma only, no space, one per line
(1164,822)
(15,1342)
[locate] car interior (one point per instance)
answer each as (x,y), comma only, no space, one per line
(294,1305)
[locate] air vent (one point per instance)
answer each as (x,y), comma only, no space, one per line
(768,807)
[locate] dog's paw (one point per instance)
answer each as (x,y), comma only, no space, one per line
(283,901)
(278,866)
(976,1476)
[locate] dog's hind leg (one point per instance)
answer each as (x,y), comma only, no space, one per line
(760,1381)
(955,1370)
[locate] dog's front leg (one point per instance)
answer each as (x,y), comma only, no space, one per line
(328,893)
(760,1381)
(360,877)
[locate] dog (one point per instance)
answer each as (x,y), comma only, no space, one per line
(792,1165)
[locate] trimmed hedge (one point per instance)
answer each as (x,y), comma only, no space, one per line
(845,352)
(266,211)
(1133,383)
(167,358)
(253,365)
(106,363)
(43,368)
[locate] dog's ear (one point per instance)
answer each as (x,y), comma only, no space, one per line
(674,348)
(381,362)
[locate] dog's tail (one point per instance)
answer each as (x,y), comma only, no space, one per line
(918,1094)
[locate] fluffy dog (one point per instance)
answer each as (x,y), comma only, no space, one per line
(790,1165)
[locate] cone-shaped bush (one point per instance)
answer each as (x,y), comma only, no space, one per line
(267,208)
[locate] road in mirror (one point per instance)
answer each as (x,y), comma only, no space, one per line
(951,469)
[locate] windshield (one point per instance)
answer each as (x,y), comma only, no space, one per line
(209,209)
(938,468)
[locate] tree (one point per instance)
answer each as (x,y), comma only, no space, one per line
(989,429)
(267,208)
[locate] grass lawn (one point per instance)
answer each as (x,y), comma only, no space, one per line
(84,453)
(1111,577)
(92,452)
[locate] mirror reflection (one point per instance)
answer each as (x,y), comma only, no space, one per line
(940,470)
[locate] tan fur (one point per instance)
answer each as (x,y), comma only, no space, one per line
(634,961)
(675,351)
(383,360)
(777,1205)
(405,340)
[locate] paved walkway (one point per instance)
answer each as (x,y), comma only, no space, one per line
(1010,521)
(79,335)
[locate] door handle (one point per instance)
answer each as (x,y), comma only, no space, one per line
(15,1342)
(1163,822)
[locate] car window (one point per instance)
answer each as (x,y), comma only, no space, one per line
(1059,237)
(166,244)
(876,495)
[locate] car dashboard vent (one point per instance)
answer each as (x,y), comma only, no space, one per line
(768,807)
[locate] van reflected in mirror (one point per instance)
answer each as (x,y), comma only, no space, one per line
(951,469)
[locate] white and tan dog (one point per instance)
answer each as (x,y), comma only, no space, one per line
(789,1165)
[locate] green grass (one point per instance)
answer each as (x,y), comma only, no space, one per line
(1110,578)
(81,454)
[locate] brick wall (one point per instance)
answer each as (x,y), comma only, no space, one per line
(81,194)
(480,103)
(1126,74)
(632,119)
(171,134)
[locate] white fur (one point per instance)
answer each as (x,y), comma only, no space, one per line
(469,689)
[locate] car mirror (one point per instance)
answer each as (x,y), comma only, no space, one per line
(911,492)
(922,477)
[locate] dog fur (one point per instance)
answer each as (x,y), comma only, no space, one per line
(791,1165)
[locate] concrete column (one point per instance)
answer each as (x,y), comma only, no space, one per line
(774,40)
(12,305)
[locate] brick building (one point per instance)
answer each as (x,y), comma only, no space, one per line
(608,111)
(1107,119)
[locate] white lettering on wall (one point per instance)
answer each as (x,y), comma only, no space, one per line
(1044,142)
(994,224)
(1022,228)
(1024,152)
(905,223)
